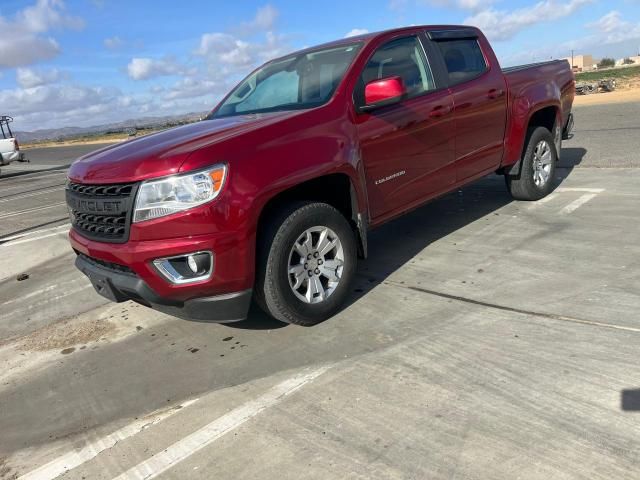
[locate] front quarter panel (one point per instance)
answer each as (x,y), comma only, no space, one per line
(263,163)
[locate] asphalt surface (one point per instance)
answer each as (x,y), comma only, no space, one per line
(485,338)
(47,158)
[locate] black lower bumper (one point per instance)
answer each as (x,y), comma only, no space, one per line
(120,286)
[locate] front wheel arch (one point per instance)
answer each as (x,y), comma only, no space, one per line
(336,189)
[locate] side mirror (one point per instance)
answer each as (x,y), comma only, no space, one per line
(383,92)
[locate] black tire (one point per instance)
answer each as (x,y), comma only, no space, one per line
(273,291)
(523,186)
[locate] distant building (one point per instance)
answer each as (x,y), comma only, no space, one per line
(635,60)
(582,63)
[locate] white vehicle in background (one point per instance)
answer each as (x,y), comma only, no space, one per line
(9,147)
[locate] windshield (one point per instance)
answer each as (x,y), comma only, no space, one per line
(293,83)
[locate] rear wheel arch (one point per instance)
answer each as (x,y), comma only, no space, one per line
(539,160)
(549,117)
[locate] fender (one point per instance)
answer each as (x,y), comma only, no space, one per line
(516,151)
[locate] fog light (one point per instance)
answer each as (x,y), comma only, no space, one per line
(193,265)
(189,268)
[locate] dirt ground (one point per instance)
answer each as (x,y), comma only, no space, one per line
(99,141)
(619,96)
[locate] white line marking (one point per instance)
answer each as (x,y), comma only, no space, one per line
(71,460)
(35,232)
(43,301)
(30,210)
(29,240)
(31,194)
(542,201)
(182,449)
(576,204)
(27,176)
(586,190)
(32,294)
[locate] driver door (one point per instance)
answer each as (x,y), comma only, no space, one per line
(408,149)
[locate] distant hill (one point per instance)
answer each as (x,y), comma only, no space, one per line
(67,133)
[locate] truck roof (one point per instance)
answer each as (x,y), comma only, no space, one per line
(369,37)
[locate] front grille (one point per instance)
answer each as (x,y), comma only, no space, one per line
(101,212)
(101,190)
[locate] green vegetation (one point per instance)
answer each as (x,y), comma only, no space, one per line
(607,63)
(619,73)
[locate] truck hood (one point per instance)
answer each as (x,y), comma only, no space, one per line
(163,153)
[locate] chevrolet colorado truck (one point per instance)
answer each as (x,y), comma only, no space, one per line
(271,196)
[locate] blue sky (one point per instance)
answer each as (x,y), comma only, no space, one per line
(88,62)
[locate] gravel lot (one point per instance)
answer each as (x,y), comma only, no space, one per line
(486,338)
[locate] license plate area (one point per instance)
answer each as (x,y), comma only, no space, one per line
(104,287)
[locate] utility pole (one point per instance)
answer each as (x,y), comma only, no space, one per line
(572,65)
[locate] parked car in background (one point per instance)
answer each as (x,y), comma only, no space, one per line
(9,147)
(272,196)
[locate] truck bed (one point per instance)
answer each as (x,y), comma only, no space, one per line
(535,84)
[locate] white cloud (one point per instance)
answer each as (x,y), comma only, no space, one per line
(23,39)
(26,49)
(193,88)
(219,60)
(54,105)
(231,54)
(46,15)
(29,78)
(146,68)
(113,43)
(356,31)
(265,18)
(611,36)
(473,5)
(612,28)
(503,24)
(227,50)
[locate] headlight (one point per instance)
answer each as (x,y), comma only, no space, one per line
(157,198)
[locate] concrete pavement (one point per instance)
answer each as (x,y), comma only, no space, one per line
(485,338)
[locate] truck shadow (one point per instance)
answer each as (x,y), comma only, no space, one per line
(397,243)
(571,158)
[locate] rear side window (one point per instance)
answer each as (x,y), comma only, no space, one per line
(463,58)
(402,58)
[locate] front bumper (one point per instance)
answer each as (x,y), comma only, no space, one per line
(122,284)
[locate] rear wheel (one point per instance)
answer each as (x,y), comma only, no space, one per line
(535,180)
(307,262)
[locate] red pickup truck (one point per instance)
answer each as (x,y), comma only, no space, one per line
(272,195)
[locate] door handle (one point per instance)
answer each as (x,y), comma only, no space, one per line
(495,93)
(439,111)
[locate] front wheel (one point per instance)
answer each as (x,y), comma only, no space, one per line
(535,180)
(306,263)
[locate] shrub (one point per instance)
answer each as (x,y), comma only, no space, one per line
(606,63)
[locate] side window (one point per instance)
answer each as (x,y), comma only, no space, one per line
(402,58)
(463,58)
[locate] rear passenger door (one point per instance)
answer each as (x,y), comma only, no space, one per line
(480,101)
(407,148)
